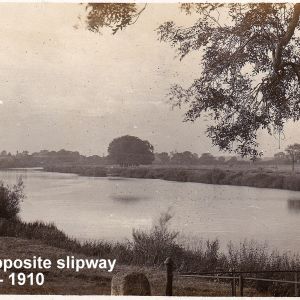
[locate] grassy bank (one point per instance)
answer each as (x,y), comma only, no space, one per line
(95,282)
(149,249)
(79,170)
(252,178)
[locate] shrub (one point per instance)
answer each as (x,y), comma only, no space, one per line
(217,176)
(152,248)
(10,198)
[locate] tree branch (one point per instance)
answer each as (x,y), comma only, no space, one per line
(296,68)
(139,14)
(277,55)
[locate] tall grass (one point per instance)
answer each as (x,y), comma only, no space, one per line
(152,247)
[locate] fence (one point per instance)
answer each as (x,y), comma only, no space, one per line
(233,276)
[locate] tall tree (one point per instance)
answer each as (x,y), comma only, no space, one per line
(130,151)
(294,153)
(250,67)
(280,156)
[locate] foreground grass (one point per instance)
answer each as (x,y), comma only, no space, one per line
(260,178)
(60,282)
(148,250)
(95,282)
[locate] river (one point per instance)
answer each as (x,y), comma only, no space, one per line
(91,208)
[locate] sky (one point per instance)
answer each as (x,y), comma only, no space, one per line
(63,86)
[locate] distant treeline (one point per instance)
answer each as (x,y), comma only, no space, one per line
(291,156)
(45,158)
(189,158)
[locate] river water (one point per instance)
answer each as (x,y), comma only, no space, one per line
(109,208)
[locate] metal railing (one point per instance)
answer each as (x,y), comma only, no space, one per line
(233,276)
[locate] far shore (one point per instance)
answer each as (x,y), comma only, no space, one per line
(259,177)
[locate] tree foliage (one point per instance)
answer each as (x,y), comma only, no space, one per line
(130,151)
(207,158)
(163,157)
(293,152)
(184,158)
(280,156)
(10,199)
(250,69)
(153,246)
(116,16)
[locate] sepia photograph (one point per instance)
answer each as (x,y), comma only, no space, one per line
(150,149)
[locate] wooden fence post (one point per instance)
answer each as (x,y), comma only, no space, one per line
(169,285)
(296,285)
(233,288)
(241,285)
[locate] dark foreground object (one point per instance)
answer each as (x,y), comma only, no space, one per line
(134,284)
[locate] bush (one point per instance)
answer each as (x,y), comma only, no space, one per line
(217,176)
(10,198)
(152,248)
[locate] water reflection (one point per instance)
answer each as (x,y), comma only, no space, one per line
(294,205)
(125,198)
(117,178)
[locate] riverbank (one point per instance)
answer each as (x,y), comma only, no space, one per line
(95,282)
(253,178)
(147,251)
